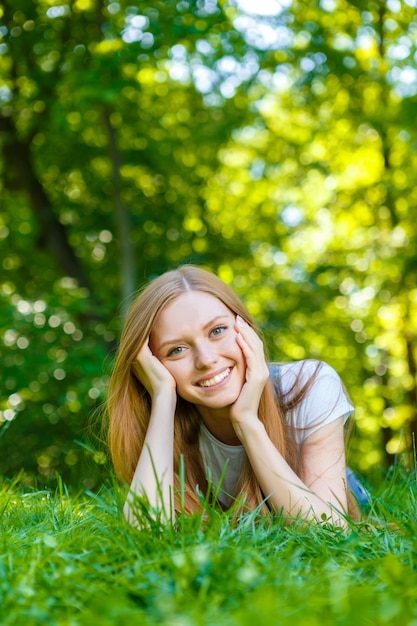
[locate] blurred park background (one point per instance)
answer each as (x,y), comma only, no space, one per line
(272,142)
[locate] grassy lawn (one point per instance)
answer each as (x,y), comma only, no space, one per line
(72,560)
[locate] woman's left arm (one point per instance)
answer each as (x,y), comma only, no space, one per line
(320,490)
(323,465)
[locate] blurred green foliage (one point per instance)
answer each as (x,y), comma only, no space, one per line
(278,149)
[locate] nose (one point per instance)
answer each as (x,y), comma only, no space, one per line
(205,355)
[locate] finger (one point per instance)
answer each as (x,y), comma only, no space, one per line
(247,331)
(248,340)
(252,349)
(144,354)
(142,350)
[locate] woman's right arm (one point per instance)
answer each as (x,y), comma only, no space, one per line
(154,474)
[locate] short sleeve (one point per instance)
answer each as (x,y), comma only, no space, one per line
(325,401)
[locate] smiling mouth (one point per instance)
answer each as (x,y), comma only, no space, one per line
(216,379)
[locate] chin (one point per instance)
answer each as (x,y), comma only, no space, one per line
(223,403)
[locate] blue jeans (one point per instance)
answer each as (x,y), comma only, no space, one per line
(361,494)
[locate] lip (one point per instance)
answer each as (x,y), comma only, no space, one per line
(199,382)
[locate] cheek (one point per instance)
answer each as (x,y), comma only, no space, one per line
(233,345)
(176,370)
(230,339)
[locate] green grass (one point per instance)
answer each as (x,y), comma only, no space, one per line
(72,560)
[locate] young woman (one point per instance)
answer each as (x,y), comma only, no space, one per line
(191,385)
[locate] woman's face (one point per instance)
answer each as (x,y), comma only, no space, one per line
(195,339)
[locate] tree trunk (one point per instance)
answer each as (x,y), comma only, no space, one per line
(20,176)
(123,220)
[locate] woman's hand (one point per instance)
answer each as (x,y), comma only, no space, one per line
(152,374)
(154,474)
(245,409)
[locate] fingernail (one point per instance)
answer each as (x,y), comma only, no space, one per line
(240,321)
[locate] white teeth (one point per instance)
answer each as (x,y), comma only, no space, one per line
(216,379)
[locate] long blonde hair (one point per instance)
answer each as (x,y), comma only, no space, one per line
(129,403)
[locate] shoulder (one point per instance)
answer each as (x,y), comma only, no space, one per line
(299,373)
(323,400)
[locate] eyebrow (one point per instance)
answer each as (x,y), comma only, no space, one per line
(210,323)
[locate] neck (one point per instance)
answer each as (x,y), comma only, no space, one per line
(220,426)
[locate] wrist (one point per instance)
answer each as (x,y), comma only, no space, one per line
(249,430)
(165,401)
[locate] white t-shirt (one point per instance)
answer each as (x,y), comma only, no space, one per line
(325,401)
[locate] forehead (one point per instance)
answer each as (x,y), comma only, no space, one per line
(188,311)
